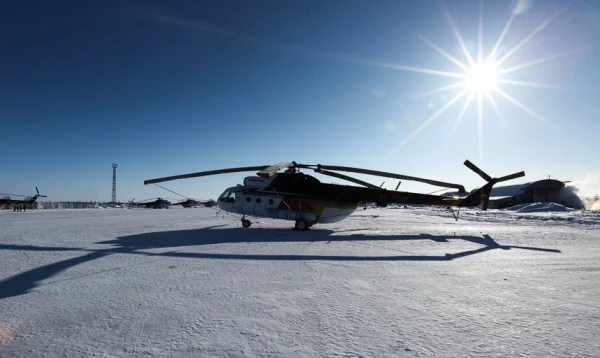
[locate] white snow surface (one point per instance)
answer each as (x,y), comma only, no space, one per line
(538,207)
(392,282)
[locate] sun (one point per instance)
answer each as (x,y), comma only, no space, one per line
(481,77)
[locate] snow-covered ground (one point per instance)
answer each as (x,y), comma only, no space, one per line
(395,282)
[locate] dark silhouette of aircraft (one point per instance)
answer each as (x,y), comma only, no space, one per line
(209,203)
(191,203)
(29,200)
(293,195)
(159,203)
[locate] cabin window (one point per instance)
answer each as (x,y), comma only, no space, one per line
(258,200)
(248,199)
(271,201)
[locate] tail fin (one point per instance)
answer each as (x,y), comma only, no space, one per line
(482,195)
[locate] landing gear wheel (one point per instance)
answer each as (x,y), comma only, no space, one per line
(246,223)
(301,225)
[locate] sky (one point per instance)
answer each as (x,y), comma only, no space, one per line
(166,88)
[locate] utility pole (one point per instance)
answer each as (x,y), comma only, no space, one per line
(114,191)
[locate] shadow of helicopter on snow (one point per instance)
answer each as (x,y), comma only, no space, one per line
(26,281)
(199,237)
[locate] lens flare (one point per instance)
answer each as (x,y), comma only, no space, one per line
(521,7)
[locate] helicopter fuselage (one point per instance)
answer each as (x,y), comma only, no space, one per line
(254,202)
(297,196)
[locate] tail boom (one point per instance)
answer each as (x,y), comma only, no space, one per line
(480,196)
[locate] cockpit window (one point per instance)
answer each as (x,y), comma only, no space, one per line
(228,196)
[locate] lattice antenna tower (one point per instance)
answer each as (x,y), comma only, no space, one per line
(114,191)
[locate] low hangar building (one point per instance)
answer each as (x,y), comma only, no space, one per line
(541,191)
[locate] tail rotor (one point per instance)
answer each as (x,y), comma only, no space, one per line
(483,194)
(479,172)
(38,193)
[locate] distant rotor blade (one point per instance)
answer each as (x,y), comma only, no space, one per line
(7,194)
(345,177)
(392,175)
(146,201)
(272,169)
(205,173)
(480,172)
(511,176)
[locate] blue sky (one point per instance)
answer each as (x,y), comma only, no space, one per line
(165,88)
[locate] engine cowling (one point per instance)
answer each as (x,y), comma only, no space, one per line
(255,182)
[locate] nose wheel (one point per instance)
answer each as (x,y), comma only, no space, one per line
(246,223)
(301,225)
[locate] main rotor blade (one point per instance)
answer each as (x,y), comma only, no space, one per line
(392,175)
(480,172)
(345,177)
(205,173)
(511,176)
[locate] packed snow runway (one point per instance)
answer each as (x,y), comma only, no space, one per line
(383,283)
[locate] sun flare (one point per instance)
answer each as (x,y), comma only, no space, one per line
(481,77)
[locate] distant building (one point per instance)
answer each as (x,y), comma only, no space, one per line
(541,191)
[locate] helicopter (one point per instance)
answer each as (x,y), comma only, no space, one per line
(209,203)
(293,195)
(192,203)
(27,202)
(159,203)
(188,203)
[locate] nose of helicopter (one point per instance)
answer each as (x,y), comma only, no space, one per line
(223,205)
(226,200)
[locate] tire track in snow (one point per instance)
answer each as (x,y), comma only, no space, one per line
(134,335)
